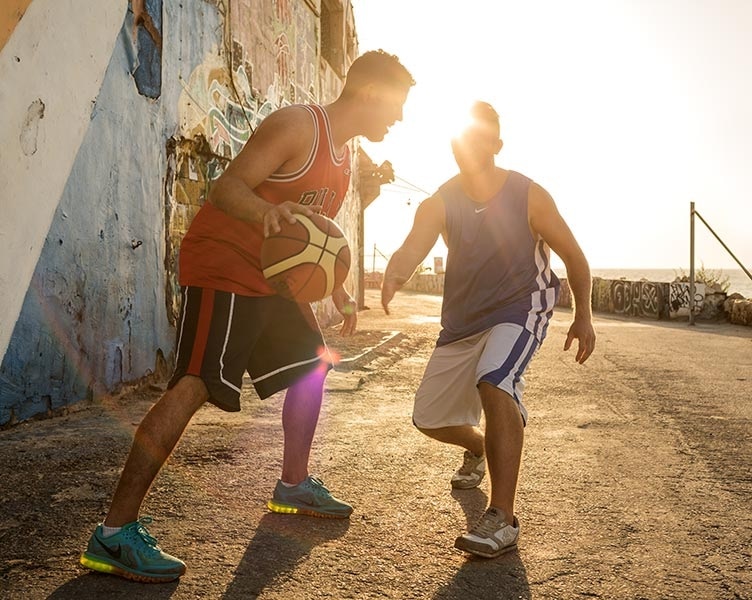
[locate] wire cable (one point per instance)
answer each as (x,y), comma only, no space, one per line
(412,185)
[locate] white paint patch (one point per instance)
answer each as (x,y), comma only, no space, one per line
(50,76)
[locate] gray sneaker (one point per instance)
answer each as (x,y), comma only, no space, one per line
(309,497)
(491,536)
(471,473)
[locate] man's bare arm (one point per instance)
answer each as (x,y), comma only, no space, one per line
(545,220)
(279,143)
(427,226)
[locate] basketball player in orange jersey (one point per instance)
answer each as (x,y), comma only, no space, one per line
(297,161)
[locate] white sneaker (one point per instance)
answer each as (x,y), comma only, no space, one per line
(491,536)
(471,473)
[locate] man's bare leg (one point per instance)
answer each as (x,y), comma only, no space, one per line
(155,439)
(300,415)
(468,437)
(504,439)
(296,493)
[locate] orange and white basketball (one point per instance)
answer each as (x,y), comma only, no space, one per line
(306,260)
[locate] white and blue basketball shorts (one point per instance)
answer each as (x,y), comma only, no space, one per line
(448,394)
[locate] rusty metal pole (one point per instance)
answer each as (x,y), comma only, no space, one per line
(691,263)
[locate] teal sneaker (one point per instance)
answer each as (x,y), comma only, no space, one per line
(131,553)
(309,497)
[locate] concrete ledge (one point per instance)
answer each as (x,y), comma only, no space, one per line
(364,355)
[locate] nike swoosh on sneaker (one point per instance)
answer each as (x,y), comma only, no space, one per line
(113,553)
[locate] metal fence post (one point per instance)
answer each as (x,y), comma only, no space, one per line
(691,263)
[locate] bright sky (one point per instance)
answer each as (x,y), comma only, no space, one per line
(624,110)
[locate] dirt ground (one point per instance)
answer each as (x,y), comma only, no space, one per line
(636,480)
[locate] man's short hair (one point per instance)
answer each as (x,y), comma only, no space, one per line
(485,113)
(380,67)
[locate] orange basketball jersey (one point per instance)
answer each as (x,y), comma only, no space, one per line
(222,253)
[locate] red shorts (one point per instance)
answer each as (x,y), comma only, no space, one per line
(222,335)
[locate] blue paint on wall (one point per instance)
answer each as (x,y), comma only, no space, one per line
(148,72)
(94,315)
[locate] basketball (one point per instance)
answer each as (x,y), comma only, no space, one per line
(307,259)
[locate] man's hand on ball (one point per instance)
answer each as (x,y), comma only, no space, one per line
(348,308)
(286,211)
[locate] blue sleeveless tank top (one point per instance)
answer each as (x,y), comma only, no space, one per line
(496,272)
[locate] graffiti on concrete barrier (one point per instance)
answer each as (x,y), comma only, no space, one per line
(679,297)
(648,299)
(637,298)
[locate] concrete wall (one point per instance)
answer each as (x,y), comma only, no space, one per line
(431,283)
(46,96)
(664,300)
(109,149)
(652,300)
(630,298)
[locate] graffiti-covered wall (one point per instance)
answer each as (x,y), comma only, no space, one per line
(273,60)
(109,149)
(648,299)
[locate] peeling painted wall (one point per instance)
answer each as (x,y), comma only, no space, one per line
(270,63)
(46,97)
(94,313)
(98,304)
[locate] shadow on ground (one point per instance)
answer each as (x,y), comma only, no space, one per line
(95,586)
(498,579)
(279,545)
(481,579)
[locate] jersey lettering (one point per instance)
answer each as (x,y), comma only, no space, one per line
(317,198)
(307,198)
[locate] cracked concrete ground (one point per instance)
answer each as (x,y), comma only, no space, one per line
(636,480)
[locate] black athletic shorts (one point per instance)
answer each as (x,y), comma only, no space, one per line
(221,335)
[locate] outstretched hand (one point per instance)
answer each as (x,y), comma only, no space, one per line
(282,212)
(348,308)
(582,329)
(389,287)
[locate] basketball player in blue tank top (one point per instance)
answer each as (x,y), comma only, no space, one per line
(499,294)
